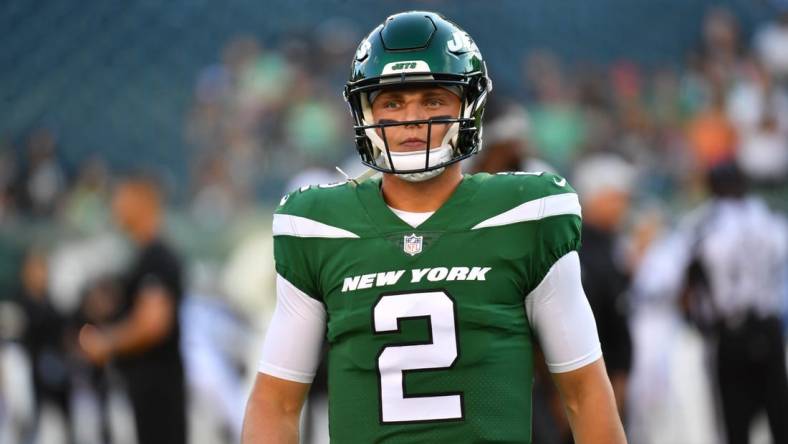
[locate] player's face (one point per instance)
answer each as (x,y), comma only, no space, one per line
(402,105)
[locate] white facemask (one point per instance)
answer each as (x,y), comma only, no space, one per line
(414,160)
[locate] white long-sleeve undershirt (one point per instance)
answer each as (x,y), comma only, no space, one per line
(557,309)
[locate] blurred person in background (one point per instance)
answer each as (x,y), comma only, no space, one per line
(758,107)
(557,127)
(8,183)
(771,43)
(734,283)
(715,67)
(85,206)
(214,199)
(506,146)
(43,180)
(215,340)
(99,306)
(144,338)
(46,338)
(605,184)
(711,134)
(721,46)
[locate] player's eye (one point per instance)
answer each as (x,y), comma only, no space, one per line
(390,104)
(434,103)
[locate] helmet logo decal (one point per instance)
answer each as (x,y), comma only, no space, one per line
(363,50)
(412,244)
(406,66)
(461,42)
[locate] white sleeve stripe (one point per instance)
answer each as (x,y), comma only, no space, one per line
(555,205)
(289,225)
(577,363)
(295,335)
(283,373)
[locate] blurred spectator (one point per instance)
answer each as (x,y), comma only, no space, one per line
(738,253)
(722,46)
(755,95)
(43,180)
(264,78)
(214,200)
(215,342)
(505,142)
(312,123)
(711,134)
(759,109)
(99,306)
(714,65)
(45,337)
(557,126)
(8,173)
(604,183)
(763,154)
(504,138)
(86,206)
(771,43)
(144,339)
(627,82)
(721,35)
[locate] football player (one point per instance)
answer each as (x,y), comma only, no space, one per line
(430,287)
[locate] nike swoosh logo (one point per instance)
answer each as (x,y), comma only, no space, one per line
(560,183)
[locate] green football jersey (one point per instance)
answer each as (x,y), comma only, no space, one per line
(428,336)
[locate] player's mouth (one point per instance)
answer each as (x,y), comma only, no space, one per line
(414,143)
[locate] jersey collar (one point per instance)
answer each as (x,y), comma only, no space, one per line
(449,216)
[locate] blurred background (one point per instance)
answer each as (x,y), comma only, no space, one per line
(225,107)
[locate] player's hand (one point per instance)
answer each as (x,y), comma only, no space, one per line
(95,344)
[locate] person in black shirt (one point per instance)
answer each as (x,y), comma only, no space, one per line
(45,337)
(604,183)
(144,339)
(99,306)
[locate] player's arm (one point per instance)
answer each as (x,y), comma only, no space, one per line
(559,311)
(273,411)
(290,358)
(590,404)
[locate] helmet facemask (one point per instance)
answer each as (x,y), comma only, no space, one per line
(461,140)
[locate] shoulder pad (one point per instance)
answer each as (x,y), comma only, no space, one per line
(304,200)
(525,186)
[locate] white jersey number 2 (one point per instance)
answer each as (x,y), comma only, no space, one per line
(439,352)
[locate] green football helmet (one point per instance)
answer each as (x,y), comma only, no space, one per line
(411,49)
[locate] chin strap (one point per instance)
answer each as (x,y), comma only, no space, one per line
(414,160)
(421,177)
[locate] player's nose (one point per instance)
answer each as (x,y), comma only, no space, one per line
(414,111)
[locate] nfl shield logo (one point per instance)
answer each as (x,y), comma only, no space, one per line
(412,244)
